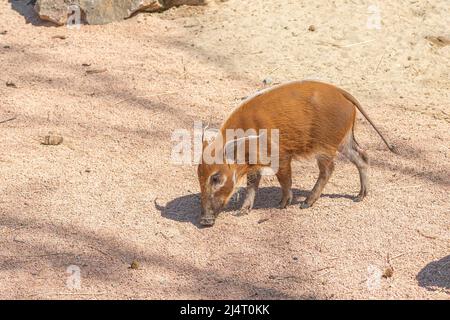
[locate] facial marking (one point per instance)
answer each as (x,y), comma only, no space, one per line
(217,187)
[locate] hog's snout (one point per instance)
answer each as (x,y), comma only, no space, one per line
(207,217)
(210,209)
(207,221)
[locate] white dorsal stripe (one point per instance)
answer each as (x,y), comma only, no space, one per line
(229,146)
(262,91)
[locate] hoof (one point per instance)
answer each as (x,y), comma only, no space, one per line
(243,212)
(360,197)
(304,205)
(284,204)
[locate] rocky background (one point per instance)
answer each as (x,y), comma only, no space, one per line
(103,11)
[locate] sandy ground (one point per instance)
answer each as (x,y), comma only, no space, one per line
(89,202)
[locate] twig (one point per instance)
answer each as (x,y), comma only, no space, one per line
(273,277)
(405,178)
(405,187)
(325,273)
(151,96)
(328,43)
(102,252)
(9,119)
(324,268)
(345,45)
(80,293)
(68,293)
(93,71)
(333,258)
(398,256)
(355,44)
(273,70)
(426,236)
(35,256)
(184,69)
(379,62)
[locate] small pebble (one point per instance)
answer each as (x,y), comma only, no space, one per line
(52,140)
(134,265)
(388,272)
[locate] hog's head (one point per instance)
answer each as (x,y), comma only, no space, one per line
(222,171)
(218,183)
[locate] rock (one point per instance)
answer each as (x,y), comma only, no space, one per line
(103,11)
(176,3)
(388,272)
(54,11)
(312,28)
(52,140)
(134,265)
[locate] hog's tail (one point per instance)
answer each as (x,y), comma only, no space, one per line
(353,100)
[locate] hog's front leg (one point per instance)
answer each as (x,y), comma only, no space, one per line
(284,176)
(253,180)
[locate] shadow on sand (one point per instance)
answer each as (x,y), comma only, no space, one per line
(26,9)
(187,208)
(435,275)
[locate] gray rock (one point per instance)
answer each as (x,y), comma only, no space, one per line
(103,11)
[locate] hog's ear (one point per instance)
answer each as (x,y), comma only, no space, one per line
(209,135)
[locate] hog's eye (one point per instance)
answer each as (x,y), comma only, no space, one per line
(215,179)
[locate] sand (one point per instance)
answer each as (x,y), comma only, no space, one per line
(87,206)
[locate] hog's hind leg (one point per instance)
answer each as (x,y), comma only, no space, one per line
(360,159)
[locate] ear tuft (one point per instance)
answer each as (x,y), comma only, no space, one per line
(210,135)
